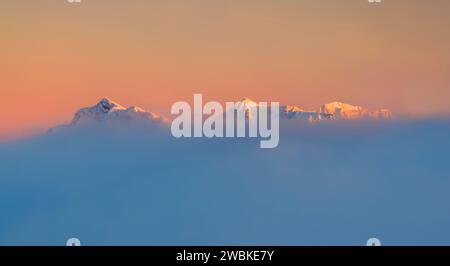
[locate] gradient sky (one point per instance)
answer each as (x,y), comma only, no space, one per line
(56,57)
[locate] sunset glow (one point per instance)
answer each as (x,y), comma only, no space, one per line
(56,57)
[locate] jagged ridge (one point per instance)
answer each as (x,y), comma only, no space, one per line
(329,111)
(108,111)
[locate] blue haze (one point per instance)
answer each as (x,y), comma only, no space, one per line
(326,184)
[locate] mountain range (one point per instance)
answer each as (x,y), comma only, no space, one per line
(110,112)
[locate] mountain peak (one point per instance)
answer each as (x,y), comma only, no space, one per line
(291,111)
(334,106)
(106,105)
(108,111)
(247,101)
(335,110)
(246,105)
(348,111)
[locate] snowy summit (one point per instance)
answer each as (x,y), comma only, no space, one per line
(108,111)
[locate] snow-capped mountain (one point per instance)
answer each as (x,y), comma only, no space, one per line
(110,113)
(246,104)
(329,111)
(294,112)
(346,111)
(343,110)
(107,111)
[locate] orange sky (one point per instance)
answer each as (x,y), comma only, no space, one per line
(56,57)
